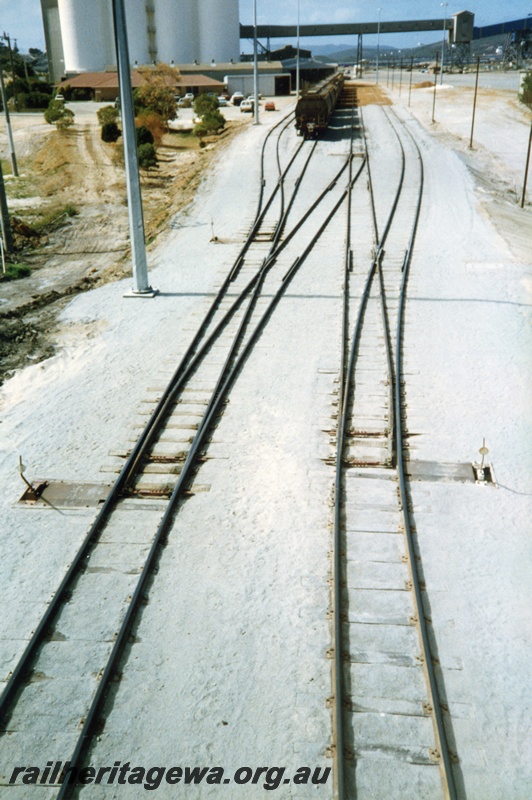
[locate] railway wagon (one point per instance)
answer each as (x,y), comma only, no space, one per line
(314,108)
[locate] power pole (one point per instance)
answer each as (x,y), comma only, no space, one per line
(255,66)
(8,126)
(4,216)
(141,287)
(526,168)
(7,39)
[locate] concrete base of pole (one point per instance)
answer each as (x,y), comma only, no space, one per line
(148,293)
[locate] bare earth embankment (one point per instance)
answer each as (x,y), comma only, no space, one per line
(71,221)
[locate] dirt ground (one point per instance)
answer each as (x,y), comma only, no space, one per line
(69,213)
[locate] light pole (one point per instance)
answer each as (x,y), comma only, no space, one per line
(255,67)
(297,59)
(444,6)
(141,286)
(378,46)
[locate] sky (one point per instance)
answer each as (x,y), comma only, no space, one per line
(22,20)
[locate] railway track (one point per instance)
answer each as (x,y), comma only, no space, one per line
(389,735)
(53,704)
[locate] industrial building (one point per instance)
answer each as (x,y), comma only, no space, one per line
(80,35)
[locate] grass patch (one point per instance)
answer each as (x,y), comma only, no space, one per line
(180,140)
(53,217)
(15,271)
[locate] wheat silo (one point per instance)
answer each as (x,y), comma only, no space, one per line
(86,34)
(182,31)
(219,31)
(140,31)
(177,30)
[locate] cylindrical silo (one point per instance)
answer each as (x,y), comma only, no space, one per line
(86,34)
(140,21)
(219,32)
(177,31)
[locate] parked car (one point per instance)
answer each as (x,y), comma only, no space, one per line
(247,106)
(60,98)
(184,102)
(189,96)
(237,98)
(222,101)
(269,106)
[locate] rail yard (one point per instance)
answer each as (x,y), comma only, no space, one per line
(277,514)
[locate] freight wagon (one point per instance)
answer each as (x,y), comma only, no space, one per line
(314,108)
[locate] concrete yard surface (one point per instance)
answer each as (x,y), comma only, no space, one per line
(228,665)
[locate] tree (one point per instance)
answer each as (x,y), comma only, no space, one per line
(157,99)
(204,104)
(160,75)
(157,93)
(212,120)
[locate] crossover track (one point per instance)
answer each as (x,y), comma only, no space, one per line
(389,738)
(95,624)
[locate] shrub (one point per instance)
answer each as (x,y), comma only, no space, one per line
(107,114)
(42,86)
(110,132)
(56,112)
(65,121)
(526,89)
(213,121)
(80,94)
(200,130)
(34,100)
(154,123)
(144,136)
(146,156)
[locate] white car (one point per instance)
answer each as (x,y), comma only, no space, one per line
(247,106)
(237,98)
(222,101)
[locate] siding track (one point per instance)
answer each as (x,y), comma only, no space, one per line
(388,733)
(53,702)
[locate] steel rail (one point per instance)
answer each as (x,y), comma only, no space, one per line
(16,677)
(337,678)
(90,539)
(385,319)
(177,383)
(223,387)
(446,767)
(175,386)
(339,703)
